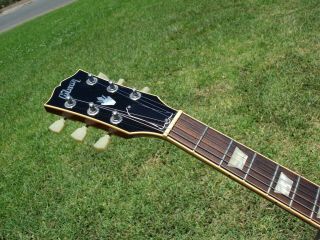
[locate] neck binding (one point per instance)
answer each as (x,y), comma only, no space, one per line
(253,170)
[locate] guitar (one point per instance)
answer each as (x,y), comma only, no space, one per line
(130,113)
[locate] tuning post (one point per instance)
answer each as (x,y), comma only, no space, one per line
(135,95)
(112,87)
(92,110)
(70,103)
(116,118)
(91,80)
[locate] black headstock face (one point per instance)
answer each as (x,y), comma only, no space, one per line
(109,106)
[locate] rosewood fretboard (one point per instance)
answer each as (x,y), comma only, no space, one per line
(258,173)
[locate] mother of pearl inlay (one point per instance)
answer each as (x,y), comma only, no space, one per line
(238,159)
(284,185)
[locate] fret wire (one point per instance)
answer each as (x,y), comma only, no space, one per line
(225,154)
(273,178)
(247,173)
(192,124)
(253,158)
(295,190)
(315,203)
(245,165)
(220,140)
(204,132)
(272,188)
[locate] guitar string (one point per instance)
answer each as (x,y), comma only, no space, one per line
(268,172)
(218,158)
(268,167)
(183,137)
(112,109)
(123,115)
(291,198)
(199,146)
(122,93)
(227,143)
(141,97)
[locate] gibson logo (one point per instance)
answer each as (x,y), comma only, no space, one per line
(64,93)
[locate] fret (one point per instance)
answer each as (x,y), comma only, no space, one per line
(274,176)
(225,153)
(295,191)
(304,197)
(261,173)
(187,131)
(280,184)
(204,132)
(284,185)
(213,146)
(315,203)
(316,215)
(253,158)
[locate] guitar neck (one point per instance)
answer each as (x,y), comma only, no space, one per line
(276,183)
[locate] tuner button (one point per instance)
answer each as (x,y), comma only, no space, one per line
(121,81)
(145,90)
(92,110)
(79,134)
(112,87)
(116,118)
(91,80)
(135,95)
(57,126)
(70,103)
(103,76)
(102,143)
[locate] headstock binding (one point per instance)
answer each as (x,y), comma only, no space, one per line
(147,115)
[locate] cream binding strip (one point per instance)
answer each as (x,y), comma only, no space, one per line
(238,159)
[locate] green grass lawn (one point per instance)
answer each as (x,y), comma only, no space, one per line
(247,68)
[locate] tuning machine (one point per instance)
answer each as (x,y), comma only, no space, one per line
(57,126)
(92,80)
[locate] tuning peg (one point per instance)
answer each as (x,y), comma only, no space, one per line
(103,76)
(102,143)
(57,126)
(121,81)
(80,133)
(145,90)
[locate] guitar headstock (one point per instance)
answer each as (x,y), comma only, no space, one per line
(110,106)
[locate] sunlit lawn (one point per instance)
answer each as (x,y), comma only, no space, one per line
(248,68)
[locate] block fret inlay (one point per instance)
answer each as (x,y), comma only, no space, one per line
(238,159)
(281,184)
(284,185)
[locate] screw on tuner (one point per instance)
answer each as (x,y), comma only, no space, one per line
(80,133)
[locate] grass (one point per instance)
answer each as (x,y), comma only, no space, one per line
(247,68)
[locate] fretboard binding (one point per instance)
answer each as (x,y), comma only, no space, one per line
(315,203)
(204,132)
(253,158)
(226,152)
(294,192)
(273,178)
